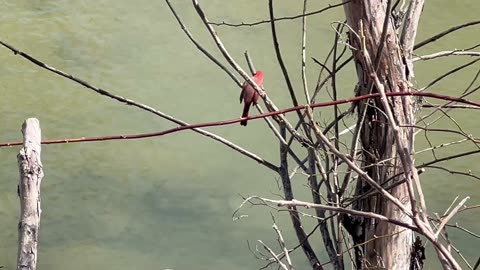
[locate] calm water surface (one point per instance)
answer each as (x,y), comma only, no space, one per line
(167,202)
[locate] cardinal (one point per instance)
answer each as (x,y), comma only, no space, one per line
(249,95)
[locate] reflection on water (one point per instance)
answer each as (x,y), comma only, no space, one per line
(163,202)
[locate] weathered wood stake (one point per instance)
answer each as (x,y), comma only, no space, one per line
(31,174)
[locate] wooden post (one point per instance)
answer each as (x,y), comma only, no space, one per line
(31,174)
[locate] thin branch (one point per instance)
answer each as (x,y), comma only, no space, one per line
(452,213)
(463,229)
(250,65)
(364,175)
(430,106)
(448,73)
(477,264)
(426,164)
(335,108)
(280,263)
(237,67)
(374,238)
(279,19)
(450,206)
(465,93)
(270,123)
(314,188)
(304,47)
(253,117)
(469,174)
(443,54)
(308,205)
(200,47)
(325,80)
(384,185)
(456,226)
(469,137)
(296,222)
(135,104)
(282,245)
(469,208)
(450,245)
(440,146)
(444,33)
(281,63)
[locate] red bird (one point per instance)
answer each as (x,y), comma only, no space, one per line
(249,95)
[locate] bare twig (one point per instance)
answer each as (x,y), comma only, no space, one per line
(279,262)
(463,229)
(200,47)
(279,19)
(452,213)
(281,242)
(449,73)
(453,172)
(477,264)
(368,241)
(443,54)
(364,175)
(444,33)
(253,117)
(237,67)
(440,146)
(132,103)
(464,154)
(429,106)
(296,222)
(444,235)
(297,203)
(278,53)
(304,47)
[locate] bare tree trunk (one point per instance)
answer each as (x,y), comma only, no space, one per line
(31,174)
(375,38)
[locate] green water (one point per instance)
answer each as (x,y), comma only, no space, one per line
(167,202)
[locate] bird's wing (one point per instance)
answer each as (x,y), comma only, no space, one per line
(243,90)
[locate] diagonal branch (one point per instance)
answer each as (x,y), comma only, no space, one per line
(444,33)
(450,215)
(237,67)
(361,173)
(138,105)
(297,203)
(278,54)
(199,47)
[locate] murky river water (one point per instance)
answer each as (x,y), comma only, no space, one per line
(167,202)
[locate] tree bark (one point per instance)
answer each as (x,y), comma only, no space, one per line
(371,35)
(31,174)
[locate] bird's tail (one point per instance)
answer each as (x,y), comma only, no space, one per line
(246,108)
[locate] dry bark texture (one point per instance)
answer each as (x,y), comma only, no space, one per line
(366,20)
(31,174)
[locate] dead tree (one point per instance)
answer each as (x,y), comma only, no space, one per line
(382,59)
(387,206)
